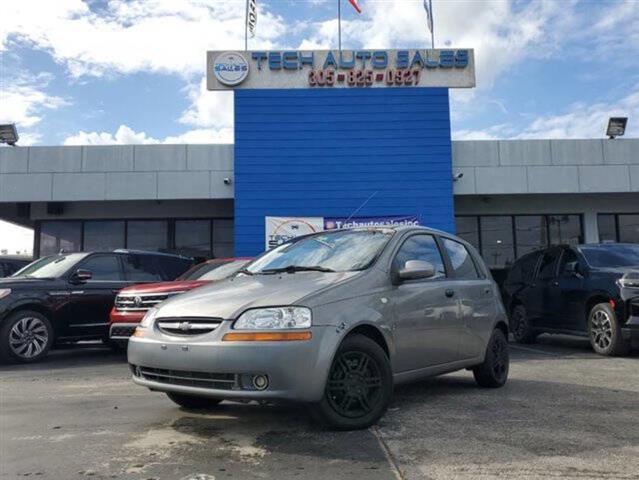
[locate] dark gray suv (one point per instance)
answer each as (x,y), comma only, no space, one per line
(333,319)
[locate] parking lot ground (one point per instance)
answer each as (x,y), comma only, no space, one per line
(565,413)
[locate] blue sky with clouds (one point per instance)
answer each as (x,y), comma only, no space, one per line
(99,72)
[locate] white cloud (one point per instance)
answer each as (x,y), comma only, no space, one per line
(208,109)
(125,135)
(131,36)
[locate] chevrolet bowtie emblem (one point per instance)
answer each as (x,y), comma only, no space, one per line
(184,326)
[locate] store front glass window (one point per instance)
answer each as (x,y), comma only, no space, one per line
(497,241)
(60,236)
(103,235)
(193,238)
(223,238)
(468,229)
(531,233)
(150,235)
(607,227)
(628,228)
(565,229)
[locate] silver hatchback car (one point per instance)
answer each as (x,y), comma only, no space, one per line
(332,319)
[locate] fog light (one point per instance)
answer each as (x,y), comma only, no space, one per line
(260,382)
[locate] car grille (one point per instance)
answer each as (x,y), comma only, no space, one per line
(187,326)
(140,303)
(218,381)
(122,331)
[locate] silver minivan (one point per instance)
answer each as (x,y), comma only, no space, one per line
(333,319)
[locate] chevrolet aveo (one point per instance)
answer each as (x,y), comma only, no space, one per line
(332,319)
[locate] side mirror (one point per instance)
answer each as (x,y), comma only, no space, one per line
(415,269)
(80,276)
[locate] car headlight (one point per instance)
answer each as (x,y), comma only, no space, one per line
(148,318)
(274,318)
(629,280)
(4,292)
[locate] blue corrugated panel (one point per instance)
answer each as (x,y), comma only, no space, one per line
(324,152)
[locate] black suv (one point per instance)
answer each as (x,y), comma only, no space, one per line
(67,297)
(588,290)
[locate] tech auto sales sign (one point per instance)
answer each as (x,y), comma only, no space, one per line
(451,68)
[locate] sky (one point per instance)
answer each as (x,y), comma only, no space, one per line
(94,72)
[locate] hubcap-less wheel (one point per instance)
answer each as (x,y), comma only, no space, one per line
(601,329)
(500,359)
(354,386)
(28,337)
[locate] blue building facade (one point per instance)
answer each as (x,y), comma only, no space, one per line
(325,152)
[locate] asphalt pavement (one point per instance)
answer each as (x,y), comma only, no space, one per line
(565,413)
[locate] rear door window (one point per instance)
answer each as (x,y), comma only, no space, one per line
(142,268)
(103,267)
(548,266)
(461,260)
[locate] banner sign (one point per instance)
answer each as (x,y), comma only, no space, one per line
(282,229)
(452,68)
(332,223)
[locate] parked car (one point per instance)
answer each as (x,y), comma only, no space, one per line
(333,319)
(586,290)
(10,264)
(68,297)
(132,303)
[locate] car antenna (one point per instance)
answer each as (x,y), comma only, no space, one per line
(362,205)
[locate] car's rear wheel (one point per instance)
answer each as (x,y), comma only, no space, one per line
(520,325)
(359,387)
(25,337)
(604,331)
(192,402)
(493,371)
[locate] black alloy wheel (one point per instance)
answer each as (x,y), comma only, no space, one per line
(359,386)
(493,371)
(520,325)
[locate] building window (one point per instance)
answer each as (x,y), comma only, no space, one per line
(151,235)
(223,238)
(607,225)
(628,228)
(496,233)
(468,229)
(565,229)
(103,235)
(60,236)
(193,238)
(531,232)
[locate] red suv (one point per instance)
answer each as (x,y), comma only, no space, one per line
(132,303)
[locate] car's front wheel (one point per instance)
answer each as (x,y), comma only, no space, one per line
(493,371)
(604,331)
(192,402)
(25,337)
(359,387)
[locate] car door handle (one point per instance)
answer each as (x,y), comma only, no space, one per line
(555,283)
(450,293)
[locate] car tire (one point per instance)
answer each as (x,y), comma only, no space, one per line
(359,386)
(192,402)
(25,337)
(520,325)
(493,371)
(604,331)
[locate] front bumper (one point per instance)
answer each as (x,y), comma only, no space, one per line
(630,331)
(207,366)
(122,331)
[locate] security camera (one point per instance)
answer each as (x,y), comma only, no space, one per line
(457,176)
(227,181)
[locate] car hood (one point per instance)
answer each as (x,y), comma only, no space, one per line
(229,298)
(163,287)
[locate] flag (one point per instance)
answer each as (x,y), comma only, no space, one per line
(355,6)
(428,6)
(251,16)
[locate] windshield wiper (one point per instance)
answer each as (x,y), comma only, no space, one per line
(245,271)
(297,268)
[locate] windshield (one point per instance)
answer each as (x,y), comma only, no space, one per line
(50,267)
(214,271)
(612,255)
(339,251)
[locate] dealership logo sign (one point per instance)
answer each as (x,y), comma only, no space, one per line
(230,68)
(329,69)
